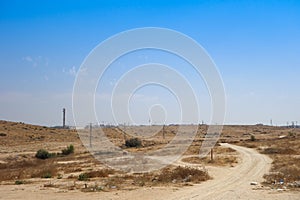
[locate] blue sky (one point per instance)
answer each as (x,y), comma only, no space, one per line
(255,45)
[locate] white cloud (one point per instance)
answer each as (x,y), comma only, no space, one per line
(83,69)
(72,71)
(36,61)
(27,58)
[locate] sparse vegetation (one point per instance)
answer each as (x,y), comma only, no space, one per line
(286,169)
(133,142)
(44,171)
(43,154)
(183,174)
(252,138)
(273,150)
(3,134)
(19,182)
(292,134)
(16,168)
(230,160)
(285,154)
(83,177)
(68,150)
(59,176)
(47,174)
(92,174)
(100,173)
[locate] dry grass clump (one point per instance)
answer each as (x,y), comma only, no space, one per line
(183,174)
(222,156)
(94,174)
(274,150)
(100,173)
(47,172)
(31,168)
(171,175)
(286,168)
(229,160)
(177,176)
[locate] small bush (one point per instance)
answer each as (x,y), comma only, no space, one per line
(183,174)
(59,176)
(83,177)
(68,150)
(19,182)
(47,175)
(252,138)
(2,134)
(292,134)
(43,154)
(133,142)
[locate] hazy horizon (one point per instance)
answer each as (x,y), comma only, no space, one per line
(254,44)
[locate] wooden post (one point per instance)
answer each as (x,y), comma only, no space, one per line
(91,135)
(212,154)
(124,133)
(163,131)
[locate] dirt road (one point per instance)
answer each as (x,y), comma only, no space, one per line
(232,183)
(227,183)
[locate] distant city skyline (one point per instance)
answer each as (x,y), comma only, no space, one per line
(254,44)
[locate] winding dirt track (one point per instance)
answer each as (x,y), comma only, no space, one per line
(232,183)
(227,183)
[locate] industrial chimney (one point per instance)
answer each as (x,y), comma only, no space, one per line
(64,118)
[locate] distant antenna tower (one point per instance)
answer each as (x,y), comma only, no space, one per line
(64,117)
(271,122)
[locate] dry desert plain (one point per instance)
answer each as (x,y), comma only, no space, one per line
(250,162)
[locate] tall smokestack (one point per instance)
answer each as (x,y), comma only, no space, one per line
(64,117)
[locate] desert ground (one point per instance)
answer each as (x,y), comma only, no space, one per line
(249,162)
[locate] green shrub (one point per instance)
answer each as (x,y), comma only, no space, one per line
(53,155)
(68,150)
(43,154)
(252,138)
(19,182)
(133,142)
(83,177)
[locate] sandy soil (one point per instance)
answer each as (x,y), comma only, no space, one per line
(227,183)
